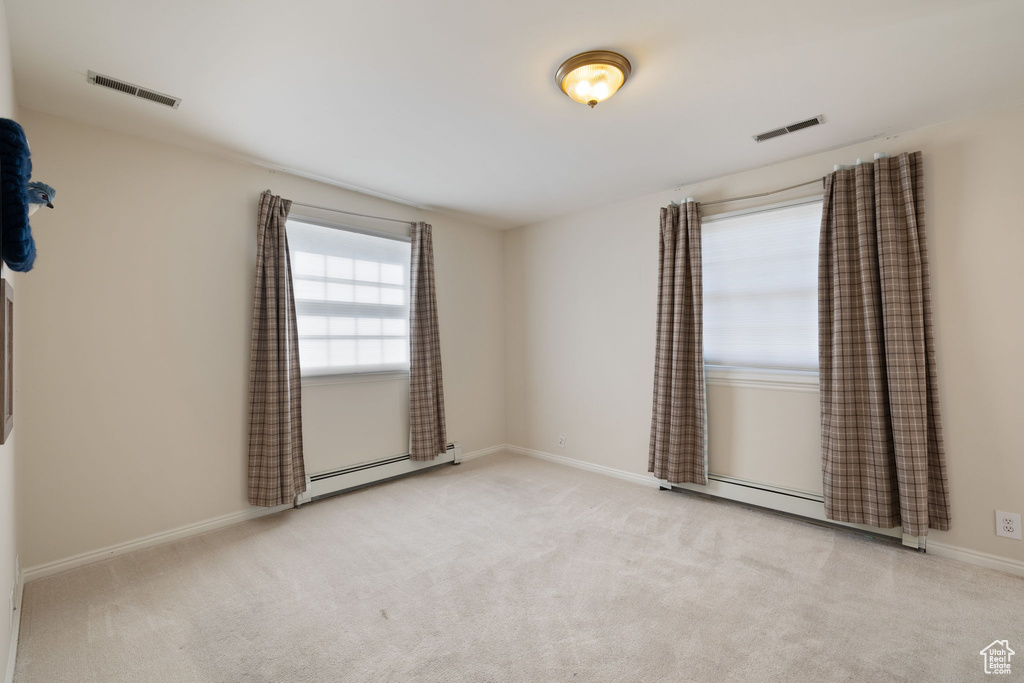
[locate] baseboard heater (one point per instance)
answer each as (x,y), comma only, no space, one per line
(794,502)
(338,481)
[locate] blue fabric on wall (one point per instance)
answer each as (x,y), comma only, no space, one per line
(17,246)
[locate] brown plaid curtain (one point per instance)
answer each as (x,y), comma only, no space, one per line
(276,470)
(882,448)
(427,437)
(678,451)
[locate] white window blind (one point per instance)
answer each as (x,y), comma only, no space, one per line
(351,300)
(761,288)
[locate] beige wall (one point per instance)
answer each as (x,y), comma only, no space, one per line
(136,364)
(135,345)
(580,302)
(8,490)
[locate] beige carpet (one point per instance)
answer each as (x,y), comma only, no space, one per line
(512,569)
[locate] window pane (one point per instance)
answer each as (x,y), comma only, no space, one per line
(343,352)
(368,327)
(339,292)
(396,350)
(313,353)
(367,295)
(761,289)
(369,351)
(339,267)
(342,327)
(391,274)
(309,290)
(368,271)
(312,325)
(305,263)
(352,297)
(394,327)
(391,296)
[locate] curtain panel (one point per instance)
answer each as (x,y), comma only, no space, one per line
(427,438)
(882,450)
(276,470)
(678,447)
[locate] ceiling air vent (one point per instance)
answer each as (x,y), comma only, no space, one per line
(791,128)
(134,90)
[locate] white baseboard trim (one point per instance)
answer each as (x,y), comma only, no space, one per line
(12,650)
(50,568)
(483,451)
(645,479)
(943,550)
(82,559)
(975,557)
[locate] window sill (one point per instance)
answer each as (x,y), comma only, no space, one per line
(355,378)
(761,378)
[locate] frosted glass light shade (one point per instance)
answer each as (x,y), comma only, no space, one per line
(592,77)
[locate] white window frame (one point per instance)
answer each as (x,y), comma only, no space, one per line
(353,377)
(761,378)
(754,377)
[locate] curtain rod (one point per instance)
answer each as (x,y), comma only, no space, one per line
(353,213)
(878,155)
(761,194)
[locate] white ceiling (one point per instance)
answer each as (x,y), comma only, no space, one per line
(451,104)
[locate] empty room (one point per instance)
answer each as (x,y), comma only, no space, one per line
(469,342)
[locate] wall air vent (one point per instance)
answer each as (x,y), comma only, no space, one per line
(134,90)
(791,128)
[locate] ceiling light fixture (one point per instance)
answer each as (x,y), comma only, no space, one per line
(592,77)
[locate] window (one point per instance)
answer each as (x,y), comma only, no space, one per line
(761,288)
(351,299)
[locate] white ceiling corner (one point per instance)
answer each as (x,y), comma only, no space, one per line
(451,104)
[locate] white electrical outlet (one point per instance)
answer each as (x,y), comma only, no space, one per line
(1008,524)
(561,441)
